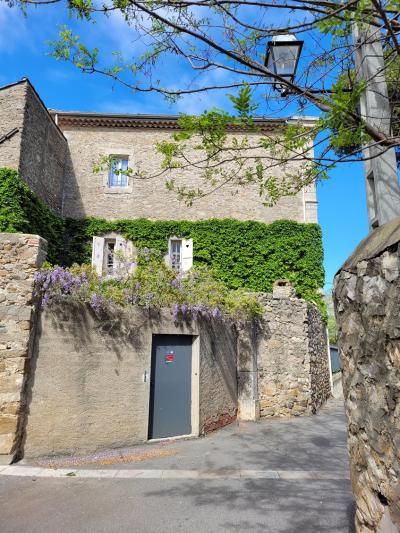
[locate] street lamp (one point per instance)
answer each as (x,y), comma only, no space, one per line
(282,58)
(383,189)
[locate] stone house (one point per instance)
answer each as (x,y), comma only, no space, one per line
(55,152)
(280,370)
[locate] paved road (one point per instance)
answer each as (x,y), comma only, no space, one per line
(278,476)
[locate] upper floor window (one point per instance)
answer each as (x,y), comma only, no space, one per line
(117,176)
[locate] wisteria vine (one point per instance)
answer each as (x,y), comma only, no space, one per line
(152,285)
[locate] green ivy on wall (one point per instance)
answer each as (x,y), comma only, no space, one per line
(242,254)
(21,211)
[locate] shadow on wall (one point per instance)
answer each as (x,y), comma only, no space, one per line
(87,388)
(218,375)
(40,150)
(117,335)
(71,192)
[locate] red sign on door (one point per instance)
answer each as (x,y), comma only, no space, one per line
(169,358)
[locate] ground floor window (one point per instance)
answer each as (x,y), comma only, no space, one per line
(112,255)
(180,254)
(176,254)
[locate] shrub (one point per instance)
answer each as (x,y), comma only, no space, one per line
(21,211)
(249,255)
(152,286)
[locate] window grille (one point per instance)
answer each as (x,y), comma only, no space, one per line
(176,255)
(110,257)
(116,177)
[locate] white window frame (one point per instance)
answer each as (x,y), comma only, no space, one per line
(186,254)
(175,249)
(118,181)
(100,254)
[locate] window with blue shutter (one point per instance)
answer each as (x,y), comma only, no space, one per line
(117,177)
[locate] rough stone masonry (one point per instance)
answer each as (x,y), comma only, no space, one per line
(20,257)
(292,363)
(367,306)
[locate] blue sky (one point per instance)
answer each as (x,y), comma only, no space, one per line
(24,52)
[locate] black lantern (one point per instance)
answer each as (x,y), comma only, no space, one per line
(283,54)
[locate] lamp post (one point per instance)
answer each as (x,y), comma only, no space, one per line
(380,165)
(382,183)
(282,58)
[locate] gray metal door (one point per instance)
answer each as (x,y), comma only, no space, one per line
(171,386)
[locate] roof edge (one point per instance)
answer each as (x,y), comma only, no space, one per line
(29,83)
(120,120)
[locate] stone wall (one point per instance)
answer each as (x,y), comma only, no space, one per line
(39,150)
(68,375)
(58,166)
(12,112)
(20,256)
(292,366)
(367,306)
(44,152)
(86,389)
(320,373)
(218,379)
(87,194)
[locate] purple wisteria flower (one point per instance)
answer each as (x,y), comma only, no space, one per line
(175,311)
(95,302)
(216,313)
(45,301)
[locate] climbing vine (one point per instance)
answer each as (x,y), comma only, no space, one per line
(242,254)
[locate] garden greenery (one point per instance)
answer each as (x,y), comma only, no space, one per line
(246,255)
(152,285)
(21,211)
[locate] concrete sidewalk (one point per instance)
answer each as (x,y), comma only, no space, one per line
(281,476)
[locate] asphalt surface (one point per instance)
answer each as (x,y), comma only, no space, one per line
(278,476)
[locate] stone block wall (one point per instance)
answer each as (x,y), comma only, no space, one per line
(39,150)
(367,307)
(320,372)
(12,112)
(20,257)
(292,366)
(44,152)
(87,194)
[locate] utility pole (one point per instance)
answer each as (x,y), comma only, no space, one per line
(382,182)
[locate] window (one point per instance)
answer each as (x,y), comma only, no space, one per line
(180,254)
(110,257)
(176,254)
(116,177)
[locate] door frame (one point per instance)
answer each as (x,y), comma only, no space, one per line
(195,388)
